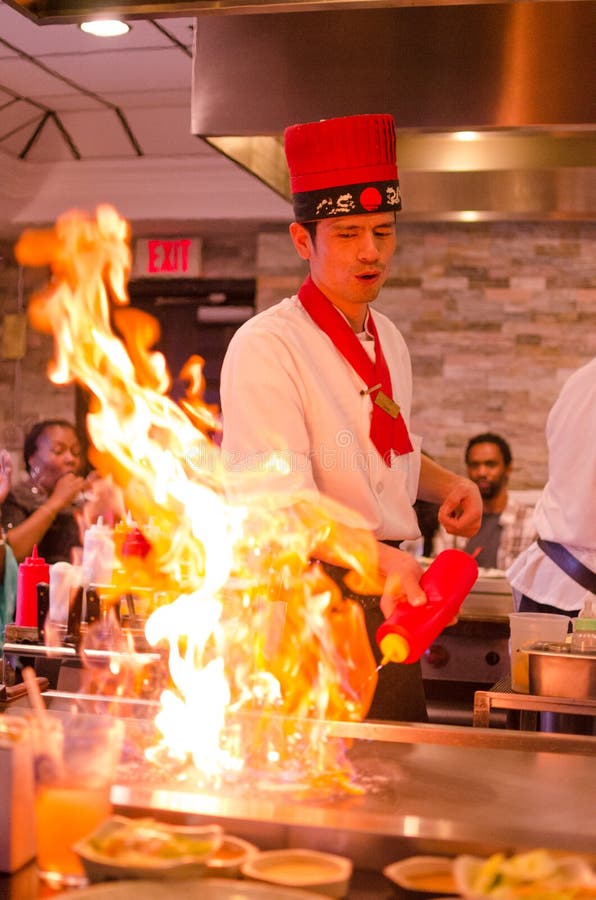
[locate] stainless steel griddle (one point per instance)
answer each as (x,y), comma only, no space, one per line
(445,789)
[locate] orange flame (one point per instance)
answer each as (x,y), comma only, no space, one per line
(251,628)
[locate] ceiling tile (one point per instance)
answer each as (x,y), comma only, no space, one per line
(98,134)
(153,98)
(70,101)
(6,52)
(50,145)
(164,132)
(6,98)
(28,80)
(137,69)
(18,116)
(182,28)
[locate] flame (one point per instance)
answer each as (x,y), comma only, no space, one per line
(254,631)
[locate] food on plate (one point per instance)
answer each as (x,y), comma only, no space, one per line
(150,843)
(533,875)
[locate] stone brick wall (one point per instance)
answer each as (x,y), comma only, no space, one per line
(496,315)
(26,393)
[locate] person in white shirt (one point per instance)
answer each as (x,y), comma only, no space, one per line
(326,385)
(557,573)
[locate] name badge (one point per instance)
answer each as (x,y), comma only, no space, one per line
(387,404)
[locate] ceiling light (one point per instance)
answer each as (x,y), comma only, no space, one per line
(105,27)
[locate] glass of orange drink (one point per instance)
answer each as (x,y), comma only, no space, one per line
(75,763)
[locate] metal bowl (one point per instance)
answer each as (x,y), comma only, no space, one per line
(555,671)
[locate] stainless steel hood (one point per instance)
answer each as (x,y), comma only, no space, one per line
(494,103)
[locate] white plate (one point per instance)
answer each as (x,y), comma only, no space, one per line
(324,873)
(201,889)
(416,873)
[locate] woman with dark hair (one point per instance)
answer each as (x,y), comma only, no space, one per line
(40,510)
(8,565)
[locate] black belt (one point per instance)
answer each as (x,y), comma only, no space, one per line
(569,564)
(338,573)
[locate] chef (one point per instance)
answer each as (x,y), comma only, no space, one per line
(557,573)
(325,383)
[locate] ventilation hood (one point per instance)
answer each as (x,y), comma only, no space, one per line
(494,102)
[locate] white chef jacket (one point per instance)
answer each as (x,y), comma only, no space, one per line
(286,389)
(566,511)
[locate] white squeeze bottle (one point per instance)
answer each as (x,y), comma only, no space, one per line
(64,579)
(98,554)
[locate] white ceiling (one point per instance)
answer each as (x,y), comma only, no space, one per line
(85,120)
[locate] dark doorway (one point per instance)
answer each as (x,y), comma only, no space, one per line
(196,316)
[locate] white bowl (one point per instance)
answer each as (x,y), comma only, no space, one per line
(123,848)
(507,878)
(229,857)
(324,873)
(423,874)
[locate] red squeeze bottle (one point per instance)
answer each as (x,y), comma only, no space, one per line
(410,630)
(136,544)
(31,572)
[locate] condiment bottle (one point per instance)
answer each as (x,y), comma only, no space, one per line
(32,571)
(136,573)
(410,630)
(583,639)
(64,578)
(121,530)
(98,554)
(135,544)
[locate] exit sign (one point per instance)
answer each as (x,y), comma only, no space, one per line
(167,258)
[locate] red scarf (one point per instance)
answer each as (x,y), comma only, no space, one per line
(387,428)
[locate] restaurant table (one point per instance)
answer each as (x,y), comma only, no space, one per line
(502,696)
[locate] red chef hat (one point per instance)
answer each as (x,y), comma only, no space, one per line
(342,167)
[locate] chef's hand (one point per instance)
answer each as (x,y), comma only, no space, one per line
(461,510)
(402,579)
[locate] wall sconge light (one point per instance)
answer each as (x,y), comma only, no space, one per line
(105,27)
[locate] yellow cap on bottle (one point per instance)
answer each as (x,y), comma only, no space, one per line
(394,648)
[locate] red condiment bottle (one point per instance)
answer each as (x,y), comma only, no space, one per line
(410,630)
(31,572)
(136,544)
